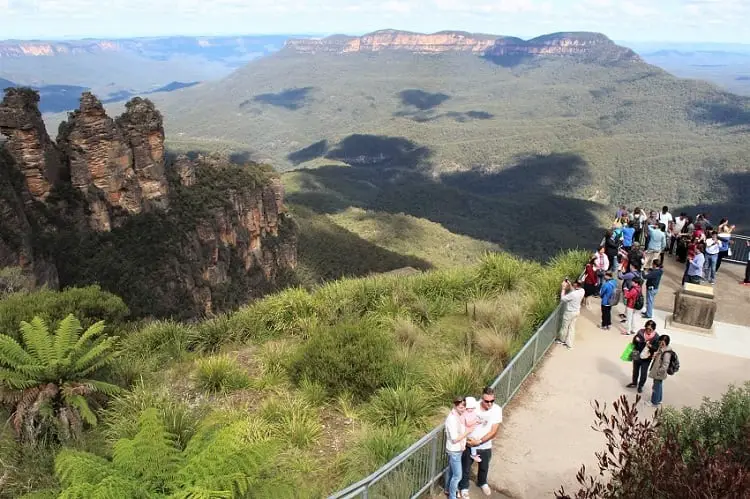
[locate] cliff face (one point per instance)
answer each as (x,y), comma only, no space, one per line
(28,142)
(557,44)
(49,49)
(228,230)
(118,166)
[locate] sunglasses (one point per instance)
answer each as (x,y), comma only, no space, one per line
(488,401)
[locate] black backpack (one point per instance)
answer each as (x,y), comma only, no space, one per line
(674,363)
(639,301)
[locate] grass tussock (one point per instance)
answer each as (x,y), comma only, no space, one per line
(401,405)
(220,374)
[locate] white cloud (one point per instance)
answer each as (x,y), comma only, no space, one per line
(497,6)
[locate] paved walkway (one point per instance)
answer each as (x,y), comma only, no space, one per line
(547,432)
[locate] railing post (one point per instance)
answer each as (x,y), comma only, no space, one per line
(510,380)
(433,458)
(536,348)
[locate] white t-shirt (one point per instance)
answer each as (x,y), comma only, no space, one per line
(665,218)
(679,224)
(491,417)
(453,428)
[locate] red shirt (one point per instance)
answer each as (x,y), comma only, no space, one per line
(591,277)
(631,294)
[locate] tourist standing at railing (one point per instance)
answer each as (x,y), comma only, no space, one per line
(725,237)
(713,246)
(490,415)
(571,297)
(601,264)
(455,444)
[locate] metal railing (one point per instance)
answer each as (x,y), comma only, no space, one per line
(414,471)
(739,249)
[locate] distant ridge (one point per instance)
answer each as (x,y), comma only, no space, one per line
(555,44)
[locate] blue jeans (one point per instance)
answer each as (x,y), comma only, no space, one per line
(709,269)
(650,297)
(657,392)
(454,473)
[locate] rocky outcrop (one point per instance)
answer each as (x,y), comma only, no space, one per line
(118,166)
(557,44)
(49,49)
(28,142)
(227,239)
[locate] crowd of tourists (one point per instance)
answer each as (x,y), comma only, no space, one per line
(624,274)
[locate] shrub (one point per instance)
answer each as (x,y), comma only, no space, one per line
(646,458)
(407,333)
(408,406)
(49,379)
(14,280)
(296,419)
(220,374)
(374,448)
(313,392)
(209,335)
(460,377)
(163,340)
(89,305)
(493,344)
(500,272)
(122,416)
(353,356)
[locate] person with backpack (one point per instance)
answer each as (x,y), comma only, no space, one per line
(664,363)
(645,344)
(633,301)
(608,294)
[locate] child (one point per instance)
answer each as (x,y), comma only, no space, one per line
(472,420)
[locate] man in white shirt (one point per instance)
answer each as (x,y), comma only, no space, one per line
(481,437)
(571,296)
(665,217)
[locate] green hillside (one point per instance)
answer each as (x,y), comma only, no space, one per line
(640,134)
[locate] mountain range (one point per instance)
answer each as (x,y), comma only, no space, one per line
(477,113)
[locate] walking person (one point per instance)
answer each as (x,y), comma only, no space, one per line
(653,279)
(713,246)
(490,416)
(571,296)
(658,371)
(608,294)
(645,344)
(455,443)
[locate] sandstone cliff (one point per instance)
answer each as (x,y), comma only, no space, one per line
(175,237)
(557,44)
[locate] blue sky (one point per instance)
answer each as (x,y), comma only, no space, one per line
(722,21)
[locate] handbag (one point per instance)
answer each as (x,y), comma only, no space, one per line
(627,354)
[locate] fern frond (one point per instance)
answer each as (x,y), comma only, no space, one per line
(75,467)
(38,340)
(66,335)
(12,353)
(96,357)
(80,404)
(152,455)
(92,332)
(100,387)
(16,380)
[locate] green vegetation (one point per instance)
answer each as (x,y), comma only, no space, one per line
(297,394)
(49,379)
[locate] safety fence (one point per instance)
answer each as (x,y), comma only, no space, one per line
(413,472)
(739,249)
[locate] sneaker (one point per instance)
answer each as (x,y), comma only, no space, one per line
(559,342)
(603,327)
(568,346)
(464,493)
(625,333)
(486,489)
(655,406)
(630,385)
(640,389)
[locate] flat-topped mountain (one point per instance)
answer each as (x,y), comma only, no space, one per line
(560,44)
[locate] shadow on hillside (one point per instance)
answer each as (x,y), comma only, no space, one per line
(508,61)
(736,208)
(727,110)
(422,100)
(521,207)
(366,150)
(291,98)
(328,251)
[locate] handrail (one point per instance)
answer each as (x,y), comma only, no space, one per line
(361,488)
(739,249)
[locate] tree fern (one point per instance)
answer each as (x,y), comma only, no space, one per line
(52,373)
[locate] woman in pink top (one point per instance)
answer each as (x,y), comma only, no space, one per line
(455,443)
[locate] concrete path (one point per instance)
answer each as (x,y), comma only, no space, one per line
(547,433)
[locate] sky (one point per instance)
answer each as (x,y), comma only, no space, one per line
(721,21)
